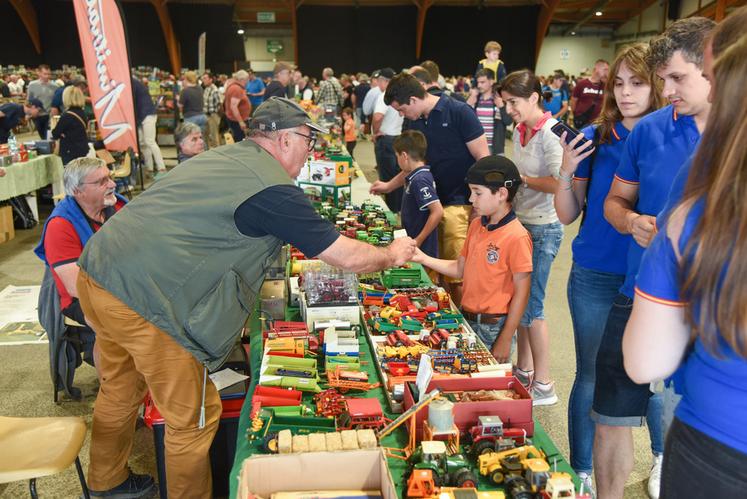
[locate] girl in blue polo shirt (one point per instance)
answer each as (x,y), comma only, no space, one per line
(599,251)
(689,316)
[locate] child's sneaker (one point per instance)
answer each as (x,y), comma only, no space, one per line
(544,393)
(524,377)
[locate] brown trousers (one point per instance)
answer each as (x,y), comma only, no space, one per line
(212,130)
(134,357)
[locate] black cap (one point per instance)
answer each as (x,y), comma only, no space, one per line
(387,73)
(494,171)
(279,113)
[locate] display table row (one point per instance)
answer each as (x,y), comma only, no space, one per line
(26,177)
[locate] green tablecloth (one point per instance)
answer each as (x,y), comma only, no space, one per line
(398,439)
(22,178)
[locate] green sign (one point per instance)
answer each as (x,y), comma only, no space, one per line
(265,17)
(274,46)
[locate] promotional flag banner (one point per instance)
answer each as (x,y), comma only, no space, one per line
(102,41)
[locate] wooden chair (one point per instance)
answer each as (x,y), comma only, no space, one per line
(37,447)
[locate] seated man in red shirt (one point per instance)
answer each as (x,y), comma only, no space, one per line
(90,200)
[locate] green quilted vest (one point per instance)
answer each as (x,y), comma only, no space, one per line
(175,256)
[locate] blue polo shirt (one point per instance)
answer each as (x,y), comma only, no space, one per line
(13,114)
(448,128)
(420,192)
(656,149)
(598,245)
(558,96)
(713,388)
(252,87)
(676,193)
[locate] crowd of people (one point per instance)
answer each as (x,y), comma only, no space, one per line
(655,170)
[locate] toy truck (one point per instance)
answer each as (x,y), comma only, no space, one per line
(498,465)
(489,435)
(447,470)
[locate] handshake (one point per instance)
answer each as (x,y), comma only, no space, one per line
(401,251)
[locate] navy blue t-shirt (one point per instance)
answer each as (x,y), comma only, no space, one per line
(448,128)
(598,245)
(420,191)
(13,114)
(713,387)
(144,106)
(656,149)
(286,213)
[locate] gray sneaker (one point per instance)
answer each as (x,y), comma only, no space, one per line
(524,377)
(544,393)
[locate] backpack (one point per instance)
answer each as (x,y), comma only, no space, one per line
(23,217)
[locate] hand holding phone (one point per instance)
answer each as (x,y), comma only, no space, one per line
(559,128)
(575,146)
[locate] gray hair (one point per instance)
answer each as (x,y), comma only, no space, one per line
(328,72)
(686,35)
(241,75)
(76,172)
(185,130)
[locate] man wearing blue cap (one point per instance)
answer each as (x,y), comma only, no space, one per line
(173,303)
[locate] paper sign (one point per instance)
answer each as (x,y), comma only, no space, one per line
(425,374)
(225,378)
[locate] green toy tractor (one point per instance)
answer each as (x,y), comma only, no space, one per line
(448,471)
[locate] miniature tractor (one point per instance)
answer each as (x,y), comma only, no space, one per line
(446,470)
(421,485)
(560,486)
(499,465)
(490,436)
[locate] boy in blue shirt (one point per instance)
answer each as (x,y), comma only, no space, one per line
(421,209)
(656,148)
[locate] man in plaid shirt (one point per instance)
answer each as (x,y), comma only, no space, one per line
(330,91)
(211,107)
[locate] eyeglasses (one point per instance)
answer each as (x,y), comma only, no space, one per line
(310,138)
(102,182)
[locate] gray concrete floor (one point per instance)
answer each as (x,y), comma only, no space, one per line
(26,389)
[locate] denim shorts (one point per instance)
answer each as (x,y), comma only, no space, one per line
(546,240)
(488,333)
(618,401)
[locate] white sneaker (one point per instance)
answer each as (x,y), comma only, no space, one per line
(654,477)
(543,393)
(587,486)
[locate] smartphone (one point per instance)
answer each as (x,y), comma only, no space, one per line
(560,127)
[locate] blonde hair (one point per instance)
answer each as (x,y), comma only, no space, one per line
(491,46)
(73,96)
(191,77)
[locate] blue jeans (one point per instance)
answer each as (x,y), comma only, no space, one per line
(488,333)
(546,240)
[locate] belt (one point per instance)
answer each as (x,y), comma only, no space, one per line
(483,318)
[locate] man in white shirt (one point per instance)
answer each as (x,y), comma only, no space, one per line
(386,125)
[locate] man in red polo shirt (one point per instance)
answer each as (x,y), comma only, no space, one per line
(90,201)
(586,101)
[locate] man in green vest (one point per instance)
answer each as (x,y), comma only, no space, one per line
(169,282)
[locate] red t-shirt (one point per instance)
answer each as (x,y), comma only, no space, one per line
(588,94)
(62,246)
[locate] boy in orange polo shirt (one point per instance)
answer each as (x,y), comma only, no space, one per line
(496,260)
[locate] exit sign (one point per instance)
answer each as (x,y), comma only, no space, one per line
(274,46)
(265,17)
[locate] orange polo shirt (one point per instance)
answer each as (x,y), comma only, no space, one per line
(492,255)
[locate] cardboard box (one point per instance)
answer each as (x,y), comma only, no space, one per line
(7,231)
(329,172)
(337,195)
(513,413)
(343,470)
(273,296)
(350,313)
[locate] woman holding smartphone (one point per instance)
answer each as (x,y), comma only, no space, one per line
(537,155)
(690,308)
(599,251)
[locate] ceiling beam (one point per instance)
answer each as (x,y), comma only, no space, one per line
(599,7)
(172,46)
(543,23)
(27,13)
(423,7)
(710,10)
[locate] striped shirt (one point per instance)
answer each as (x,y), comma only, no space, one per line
(485,110)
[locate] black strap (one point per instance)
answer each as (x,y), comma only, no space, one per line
(592,159)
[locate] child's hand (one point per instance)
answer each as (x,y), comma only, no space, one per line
(379,187)
(418,256)
(502,349)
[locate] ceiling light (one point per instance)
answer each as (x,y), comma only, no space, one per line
(598,13)
(573,33)
(240,31)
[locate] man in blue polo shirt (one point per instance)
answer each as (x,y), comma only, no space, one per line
(255,89)
(656,148)
(11,115)
(456,140)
